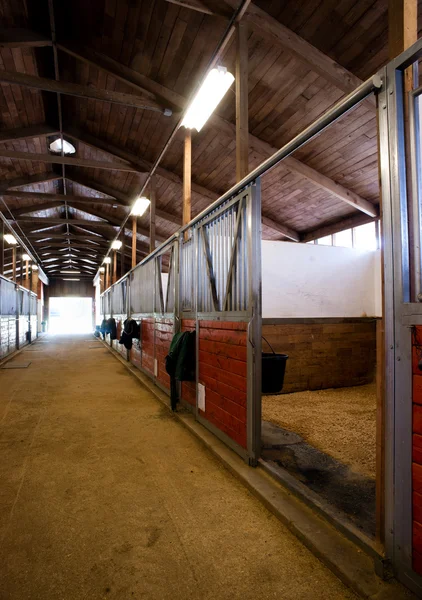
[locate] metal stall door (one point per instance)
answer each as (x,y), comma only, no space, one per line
(166,320)
(227,284)
(153,301)
(401,219)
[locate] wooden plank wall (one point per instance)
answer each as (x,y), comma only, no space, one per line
(60,288)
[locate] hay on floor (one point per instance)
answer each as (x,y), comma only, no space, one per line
(340,422)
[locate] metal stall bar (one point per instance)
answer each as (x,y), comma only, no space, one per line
(402,311)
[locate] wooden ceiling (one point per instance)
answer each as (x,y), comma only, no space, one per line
(103,73)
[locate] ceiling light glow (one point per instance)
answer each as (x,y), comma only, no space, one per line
(26,257)
(56,147)
(140,206)
(116,245)
(10,239)
(209,96)
(107,260)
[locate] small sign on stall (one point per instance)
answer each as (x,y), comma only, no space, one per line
(201,397)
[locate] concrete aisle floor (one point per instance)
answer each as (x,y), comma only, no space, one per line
(104,495)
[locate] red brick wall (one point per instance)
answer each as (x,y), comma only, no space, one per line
(163,336)
(147,343)
(223,371)
(189,387)
(417,460)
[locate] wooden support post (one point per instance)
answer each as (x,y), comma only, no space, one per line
(27,274)
(14,263)
(122,255)
(107,276)
(152,216)
(2,249)
(114,266)
(134,236)
(187,180)
(242,110)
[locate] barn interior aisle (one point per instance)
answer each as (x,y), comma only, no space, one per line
(105,495)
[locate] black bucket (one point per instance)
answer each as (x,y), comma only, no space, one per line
(273,370)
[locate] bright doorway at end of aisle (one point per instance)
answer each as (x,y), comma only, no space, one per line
(70,315)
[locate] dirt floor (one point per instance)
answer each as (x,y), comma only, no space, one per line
(103,494)
(340,422)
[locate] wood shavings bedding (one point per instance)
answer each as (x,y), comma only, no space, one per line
(340,422)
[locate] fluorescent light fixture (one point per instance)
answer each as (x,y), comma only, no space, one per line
(10,239)
(116,245)
(70,272)
(102,269)
(209,96)
(70,279)
(56,147)
(34,268)
(140,206)
(107,260)
(26,257)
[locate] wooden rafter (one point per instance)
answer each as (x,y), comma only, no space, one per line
(22,38)
(59,198)
(336,227)
(279,34)
(161,172)
(69,160)
(198,6)
(27,181)
(263,147)
(22,133)
(81,91)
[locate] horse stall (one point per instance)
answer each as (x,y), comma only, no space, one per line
(321,306)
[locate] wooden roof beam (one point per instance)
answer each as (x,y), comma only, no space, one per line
(23,133)
(199,6)
(29,180)
(161,172)
(59,198)
(261,146)
(336,227)
(286,231)
(69,160)
(22,38)
(279,34)
(34,208)
(81,91)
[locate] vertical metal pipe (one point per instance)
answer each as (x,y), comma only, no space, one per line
(134,235)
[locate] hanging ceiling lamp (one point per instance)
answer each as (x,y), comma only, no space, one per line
(208,97)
